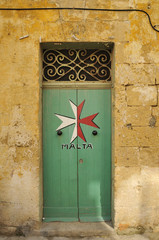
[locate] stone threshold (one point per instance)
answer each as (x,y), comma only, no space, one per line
(74,229)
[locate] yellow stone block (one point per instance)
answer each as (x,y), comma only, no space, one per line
(70,3)
(140,28)
(122,4)
(121,30)
(106,15)
(28,3)
(127,157)
(53,32)
(120,52)
(101,30)
(150,51)
(98,4)
(72,15)
(135,73)
(149,157)
(142,95)
(138,136)
(138,116)
(133,52)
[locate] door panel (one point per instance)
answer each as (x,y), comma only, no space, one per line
(60,165)
(94,174)
(77,175)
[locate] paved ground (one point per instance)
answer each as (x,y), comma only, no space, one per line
(71,231)
(132,237)
(151,236)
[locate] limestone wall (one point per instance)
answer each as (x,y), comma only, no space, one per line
(135,104)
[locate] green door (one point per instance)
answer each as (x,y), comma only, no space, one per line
(77,155)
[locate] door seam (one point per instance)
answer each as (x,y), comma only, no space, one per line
(77,167)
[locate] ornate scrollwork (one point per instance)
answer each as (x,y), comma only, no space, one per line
(77,65)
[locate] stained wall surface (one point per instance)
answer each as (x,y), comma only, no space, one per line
(135,104)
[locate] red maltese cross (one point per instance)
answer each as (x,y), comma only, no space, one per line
(68,121)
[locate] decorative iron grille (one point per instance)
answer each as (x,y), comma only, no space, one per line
(77,65)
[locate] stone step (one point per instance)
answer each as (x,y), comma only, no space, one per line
(74,229)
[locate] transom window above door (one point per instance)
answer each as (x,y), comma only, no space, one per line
(76,65)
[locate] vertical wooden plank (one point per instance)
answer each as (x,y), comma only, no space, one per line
(94,157)
(59,162)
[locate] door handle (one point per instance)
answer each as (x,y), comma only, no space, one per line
(59,132)
(81,161)
(94,132)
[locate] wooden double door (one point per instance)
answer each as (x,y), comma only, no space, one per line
(77,155)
